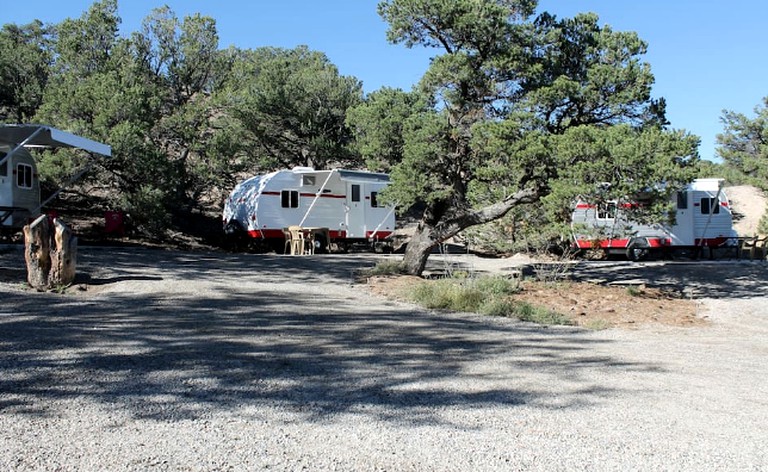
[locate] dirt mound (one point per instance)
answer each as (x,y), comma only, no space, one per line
(748,204)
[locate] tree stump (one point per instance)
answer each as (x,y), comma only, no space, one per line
(37,243)
(49,265)
(63,256)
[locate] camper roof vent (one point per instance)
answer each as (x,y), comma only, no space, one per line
(303,169)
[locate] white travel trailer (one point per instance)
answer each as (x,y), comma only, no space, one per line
(343,201)
(19,182)
(703,219)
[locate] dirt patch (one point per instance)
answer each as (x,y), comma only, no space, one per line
(593,305)
(749,205)
(585,304)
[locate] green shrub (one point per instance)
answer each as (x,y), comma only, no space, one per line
(497,285)
(597,325)
(448,294)
(762,226)
(499,307)
(485,295)
(540,315)
(148,211)
(387,267)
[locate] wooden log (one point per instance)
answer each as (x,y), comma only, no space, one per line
(37,252)
(63,256)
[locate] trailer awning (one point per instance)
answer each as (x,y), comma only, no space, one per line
(47,137)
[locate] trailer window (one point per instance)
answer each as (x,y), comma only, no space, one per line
(682,200)
(24,176)
(289,198)
(375,200)
(308,180)
(606,211)
(355,193)
(4,165)
(709,205)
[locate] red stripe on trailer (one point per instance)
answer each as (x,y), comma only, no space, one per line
(278,233)
(604,244)
(306,195)
(378,234)
(325,195)
(620,243)
(584,206)
(712,242)
(659,242)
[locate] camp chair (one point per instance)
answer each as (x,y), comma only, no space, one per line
(761,248)
(754,246)
(300,242)
(288,241)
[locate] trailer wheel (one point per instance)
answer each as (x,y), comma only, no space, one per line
(637,251)
(321,245)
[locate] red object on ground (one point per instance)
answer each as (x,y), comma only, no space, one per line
(114,222)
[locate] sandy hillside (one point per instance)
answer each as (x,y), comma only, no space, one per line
(749,204)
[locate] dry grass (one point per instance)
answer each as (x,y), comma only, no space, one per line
(585,304)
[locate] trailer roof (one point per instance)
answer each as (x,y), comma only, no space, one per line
(48,137)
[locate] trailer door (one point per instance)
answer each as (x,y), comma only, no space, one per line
(355,218)
(682,231)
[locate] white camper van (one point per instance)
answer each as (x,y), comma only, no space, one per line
(343,201)
(703,219)
(19,182)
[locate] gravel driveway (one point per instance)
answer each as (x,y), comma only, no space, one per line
(203,361)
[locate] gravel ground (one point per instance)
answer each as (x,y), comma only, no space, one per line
(181,361)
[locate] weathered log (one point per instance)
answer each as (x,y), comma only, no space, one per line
(63,256)
(37,252)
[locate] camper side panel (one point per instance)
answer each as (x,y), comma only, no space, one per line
(345,202)
(19,189)
(290,196)
(607,226)
(712,218)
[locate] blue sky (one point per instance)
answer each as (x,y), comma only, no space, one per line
(707,55)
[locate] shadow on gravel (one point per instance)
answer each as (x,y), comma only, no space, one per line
(698,279)
(171,356)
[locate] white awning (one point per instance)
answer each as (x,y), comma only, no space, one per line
(47,137)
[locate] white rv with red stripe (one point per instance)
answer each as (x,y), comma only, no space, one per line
(343,201)
(703,219)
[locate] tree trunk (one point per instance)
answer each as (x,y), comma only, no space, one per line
(63,256)
(427,236)
(37,252)
(49,267)
(418,250)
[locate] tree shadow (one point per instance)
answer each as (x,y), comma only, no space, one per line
(312,349)
(695,279)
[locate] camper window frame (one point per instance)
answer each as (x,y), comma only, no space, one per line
(611,209)
(709,205)
(289,198)
(24,176)
(375,200)
(355,197)
(4,165)
(308,180)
